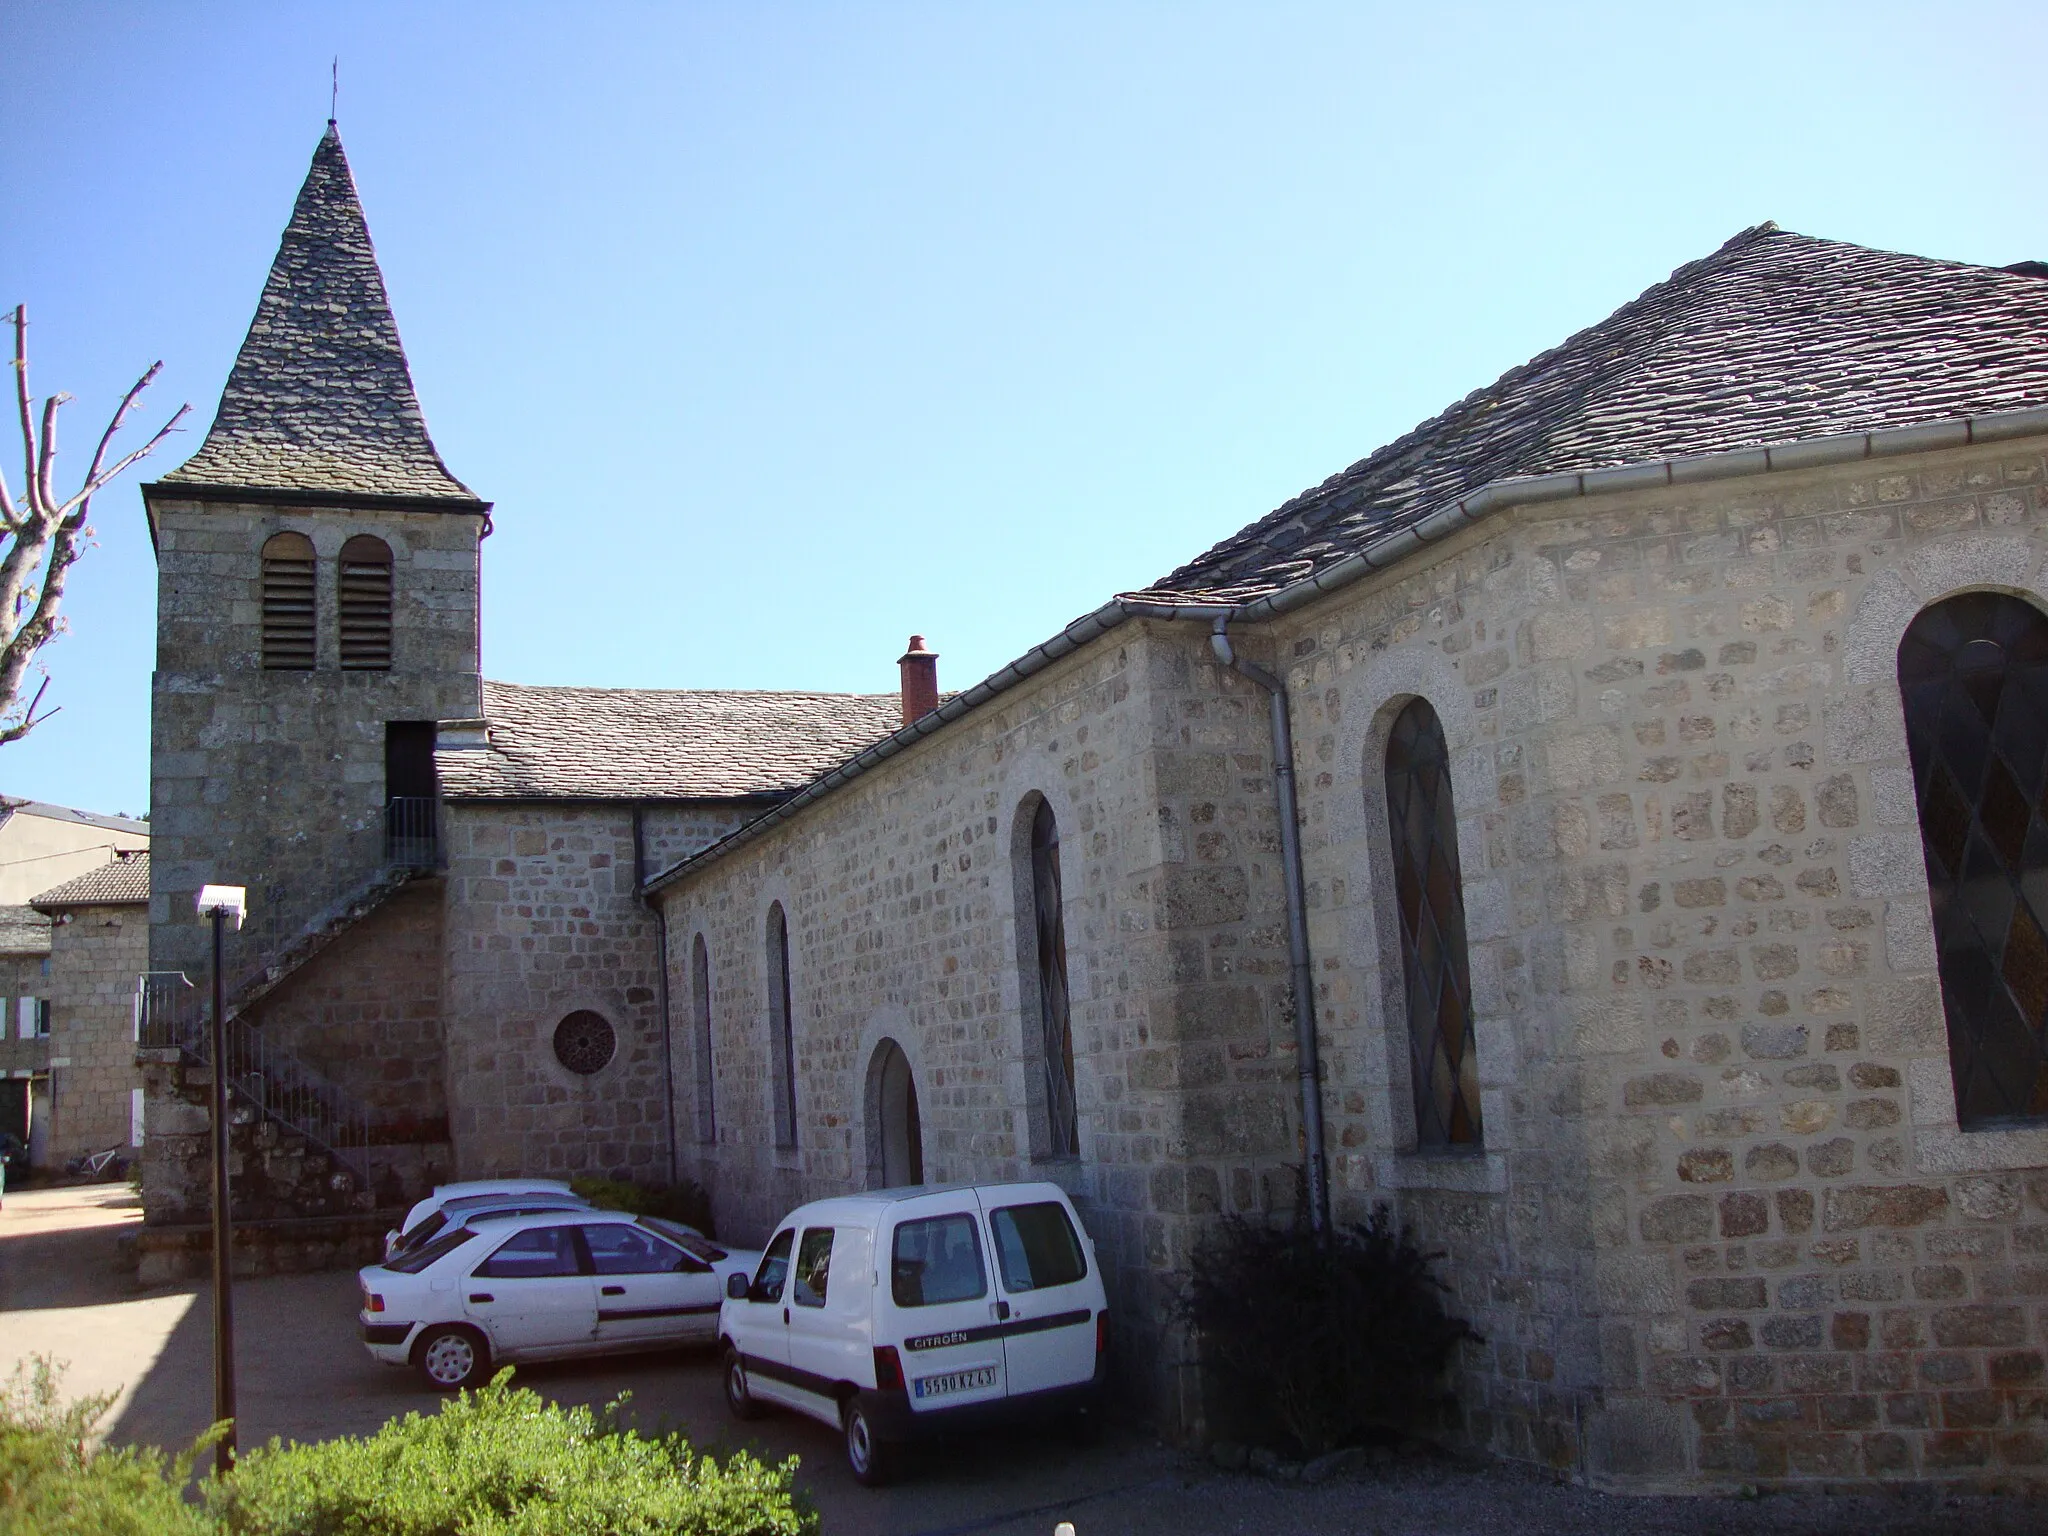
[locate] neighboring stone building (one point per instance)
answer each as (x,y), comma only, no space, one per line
(1619,696)
(68,965)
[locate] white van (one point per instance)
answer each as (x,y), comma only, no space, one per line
(902,1312)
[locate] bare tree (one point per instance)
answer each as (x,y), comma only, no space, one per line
(42,535)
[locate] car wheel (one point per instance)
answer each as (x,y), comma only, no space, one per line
(737,1397)
(452,1358)
(871,1459)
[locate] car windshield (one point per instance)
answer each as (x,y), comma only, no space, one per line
(417,1259)
(688,1238)
(422,1231)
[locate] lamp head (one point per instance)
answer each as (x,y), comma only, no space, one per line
(231,901)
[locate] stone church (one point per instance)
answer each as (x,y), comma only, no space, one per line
(1609,824)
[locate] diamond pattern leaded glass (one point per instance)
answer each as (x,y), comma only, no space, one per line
(1443,1054)
(1973,670)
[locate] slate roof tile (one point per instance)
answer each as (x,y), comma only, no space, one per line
(659,743)
(118,882)
(321,398)
(1773,338)
(24,931)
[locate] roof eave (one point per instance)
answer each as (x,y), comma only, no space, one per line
(1383,553)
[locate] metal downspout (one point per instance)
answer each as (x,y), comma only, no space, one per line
(668,1050)
(1307,1066)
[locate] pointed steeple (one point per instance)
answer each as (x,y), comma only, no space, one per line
(321,399)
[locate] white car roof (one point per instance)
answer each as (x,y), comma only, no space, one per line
(870,1205)
(446,1192)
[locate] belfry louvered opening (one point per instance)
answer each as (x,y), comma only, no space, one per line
(1443,1053)
(288,603)
(365,591)
(1973,671)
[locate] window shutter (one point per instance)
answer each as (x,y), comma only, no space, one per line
(288,604)
(365,592)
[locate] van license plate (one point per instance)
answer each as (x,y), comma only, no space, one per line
(956,1381)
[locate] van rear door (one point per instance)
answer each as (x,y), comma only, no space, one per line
(1047,1292)
(939,1302)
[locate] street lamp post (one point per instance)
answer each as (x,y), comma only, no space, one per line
(223,904)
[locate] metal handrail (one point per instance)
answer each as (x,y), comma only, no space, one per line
(261,1072)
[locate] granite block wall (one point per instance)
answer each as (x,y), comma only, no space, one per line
(908,903)
(275,780)
(543,920)
(1724,1228)
(95,955)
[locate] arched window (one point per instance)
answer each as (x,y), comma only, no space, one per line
(1443,1055)
(1056,1032)
(364,583)
(288,603)
(700,1025)
(1973,671)
(781,1028)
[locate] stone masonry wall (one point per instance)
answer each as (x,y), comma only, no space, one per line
(275,780)
(543,919)
(1724,1229)
(903,897)
(95,955)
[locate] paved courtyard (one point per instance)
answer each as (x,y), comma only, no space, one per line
(303,1376)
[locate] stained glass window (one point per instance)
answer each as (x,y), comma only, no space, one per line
(1062,1127)
(1973,670)
(1443,1055)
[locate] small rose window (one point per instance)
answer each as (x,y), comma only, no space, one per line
(584,1042)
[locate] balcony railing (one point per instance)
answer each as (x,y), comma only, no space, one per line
(411,835)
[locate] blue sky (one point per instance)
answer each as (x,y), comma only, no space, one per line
(778,332)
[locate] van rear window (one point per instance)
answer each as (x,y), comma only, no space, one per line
(1036,1247)
(937,1260)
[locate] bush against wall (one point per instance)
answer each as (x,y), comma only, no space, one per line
(499,1462)
(1324,1338)
(688,1202)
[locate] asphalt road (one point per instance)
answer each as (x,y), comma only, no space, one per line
(303,1376)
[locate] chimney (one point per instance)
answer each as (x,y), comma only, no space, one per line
(920,669)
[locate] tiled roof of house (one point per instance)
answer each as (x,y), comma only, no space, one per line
(24,931)
(118,882)
(659,743)
(321,398)
(1773,338)
(48,812)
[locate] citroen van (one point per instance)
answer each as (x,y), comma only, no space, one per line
(903,1312)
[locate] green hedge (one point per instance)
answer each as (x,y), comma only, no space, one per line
(688,1202)
(499,1462)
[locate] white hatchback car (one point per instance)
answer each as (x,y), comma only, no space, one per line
(900,1313)
(544,1287)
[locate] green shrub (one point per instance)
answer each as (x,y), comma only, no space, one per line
(499,1462)
(1325,1337)
(688,1202)
(53,1482)
(505,1462)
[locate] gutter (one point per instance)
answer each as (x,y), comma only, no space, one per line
(1388,550)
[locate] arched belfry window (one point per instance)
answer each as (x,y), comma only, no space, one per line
(1443,1054)
(1056,1037)
(700,1026)
(1973,671)
(364,583)
(781,1028)
(288,603)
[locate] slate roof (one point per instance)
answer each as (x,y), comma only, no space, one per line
(321,398)
(1773,338)
(24,931)
(49,812)
(659,743)
(116,883)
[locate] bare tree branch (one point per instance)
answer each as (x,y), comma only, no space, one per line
(43,535)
